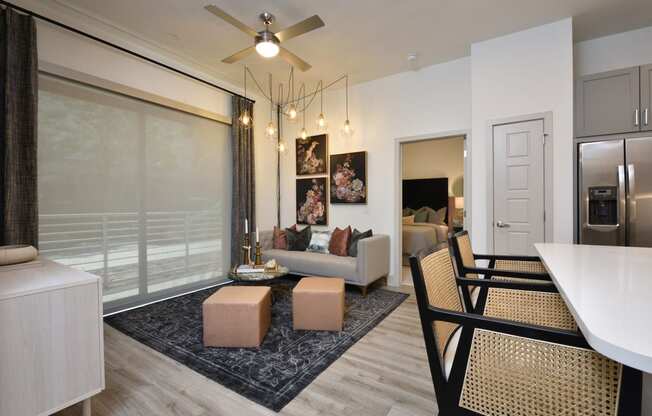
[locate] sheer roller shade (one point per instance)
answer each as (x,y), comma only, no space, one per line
(132,191)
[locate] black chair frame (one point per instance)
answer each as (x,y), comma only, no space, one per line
(448,391)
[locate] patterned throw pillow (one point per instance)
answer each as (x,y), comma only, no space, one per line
(298,240)
(408,211)
(408,220)
(319,242)
(355,237)
(339,244)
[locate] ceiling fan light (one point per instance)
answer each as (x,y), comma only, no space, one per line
(267,49)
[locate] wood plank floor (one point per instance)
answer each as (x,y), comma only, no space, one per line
(384,374)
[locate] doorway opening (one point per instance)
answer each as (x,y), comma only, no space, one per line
(432,195)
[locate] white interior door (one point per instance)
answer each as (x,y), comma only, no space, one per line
(518,184)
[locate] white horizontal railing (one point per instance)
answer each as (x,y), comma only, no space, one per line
(178,245)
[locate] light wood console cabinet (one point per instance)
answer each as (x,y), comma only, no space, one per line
(614,102)
(51,338)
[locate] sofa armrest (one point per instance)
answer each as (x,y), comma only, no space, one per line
(373,258)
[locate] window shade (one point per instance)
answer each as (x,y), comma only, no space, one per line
(131,191)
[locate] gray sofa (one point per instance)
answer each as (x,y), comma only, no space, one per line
(371,264)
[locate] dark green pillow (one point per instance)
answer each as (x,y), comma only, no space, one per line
(298,240)
(421,215)
(355,237)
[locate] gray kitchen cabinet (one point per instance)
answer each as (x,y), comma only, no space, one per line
(646,98)
(607,103)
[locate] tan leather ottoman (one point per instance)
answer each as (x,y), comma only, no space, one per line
(318,304)
(237,316)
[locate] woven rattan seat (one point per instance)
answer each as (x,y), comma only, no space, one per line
(530,307)
(511,375)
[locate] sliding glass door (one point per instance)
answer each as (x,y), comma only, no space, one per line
(131,191)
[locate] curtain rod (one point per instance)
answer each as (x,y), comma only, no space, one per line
(121,48)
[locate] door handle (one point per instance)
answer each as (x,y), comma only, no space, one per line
(501,224)
(631,182)
(636,117)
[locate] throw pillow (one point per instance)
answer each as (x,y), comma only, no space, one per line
(319,242)
(437,217)
(280,240)
(421,215)
(408,220)
(298,240)
(355,237)
(407,212)
(339,244)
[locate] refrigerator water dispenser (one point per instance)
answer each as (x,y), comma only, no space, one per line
(603,205)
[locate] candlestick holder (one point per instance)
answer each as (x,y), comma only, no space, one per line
(258,259)
(246,250)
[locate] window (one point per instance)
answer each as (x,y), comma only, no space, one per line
(131,191)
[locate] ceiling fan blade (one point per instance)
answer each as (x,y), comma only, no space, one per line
(230,19)
(300,28)
(239,55)
(294,60)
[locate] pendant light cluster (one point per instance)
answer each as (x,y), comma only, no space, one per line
(292,106)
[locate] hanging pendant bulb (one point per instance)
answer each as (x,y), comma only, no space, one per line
(304,133)
(292,112)
(282,147)
(321,122)
(347,130)
(270,130)
(245,118)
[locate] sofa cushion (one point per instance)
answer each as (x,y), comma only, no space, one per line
(339,244)
(355,237)
(298,240)
(319,242)
(305,262)
(281,238)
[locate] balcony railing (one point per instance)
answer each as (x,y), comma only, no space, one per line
(134,252)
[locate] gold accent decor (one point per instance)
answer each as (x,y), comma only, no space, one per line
(258,259)
(246,250)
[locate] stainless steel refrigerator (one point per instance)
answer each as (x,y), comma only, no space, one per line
(615,192)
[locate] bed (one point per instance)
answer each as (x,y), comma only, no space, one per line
(418,193)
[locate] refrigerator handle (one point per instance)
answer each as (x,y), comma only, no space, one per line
(631,199)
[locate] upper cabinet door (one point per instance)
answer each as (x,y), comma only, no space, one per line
(646,97)
(607,103)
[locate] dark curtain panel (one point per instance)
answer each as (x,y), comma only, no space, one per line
(18,93)
(244,184)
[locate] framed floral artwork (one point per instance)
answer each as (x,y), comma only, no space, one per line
(349,178)
(312,201)
(312,155)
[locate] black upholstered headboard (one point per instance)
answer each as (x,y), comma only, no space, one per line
(431,192)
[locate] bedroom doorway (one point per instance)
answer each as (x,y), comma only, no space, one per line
(432,194)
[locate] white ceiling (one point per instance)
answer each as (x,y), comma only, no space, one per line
(366,38)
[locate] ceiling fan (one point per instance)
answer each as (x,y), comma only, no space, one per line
(267,42)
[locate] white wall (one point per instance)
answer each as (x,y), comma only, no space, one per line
(426,102)
(58,46)
(440,158)
(524,73)
(617,51)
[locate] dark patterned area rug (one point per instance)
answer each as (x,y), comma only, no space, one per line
(273,374)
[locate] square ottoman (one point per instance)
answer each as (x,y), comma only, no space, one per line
(237,316)
(318,304)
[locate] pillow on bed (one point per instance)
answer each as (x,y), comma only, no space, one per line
(408,220)
(437,217)
(407,212)
(421,215)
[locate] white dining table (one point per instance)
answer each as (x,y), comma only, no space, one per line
(608,290)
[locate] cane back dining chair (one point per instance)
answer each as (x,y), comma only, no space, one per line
(503,367)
